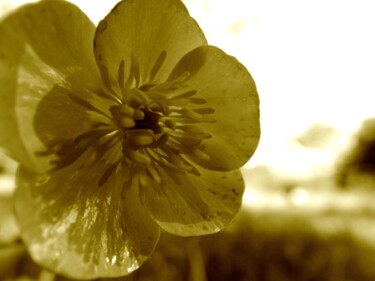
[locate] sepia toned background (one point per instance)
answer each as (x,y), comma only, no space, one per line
(308,211)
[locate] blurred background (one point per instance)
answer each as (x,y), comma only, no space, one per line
(308,211)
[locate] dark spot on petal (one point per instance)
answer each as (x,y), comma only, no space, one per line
(235,192)
(115,11)
(103,26)
(212,191)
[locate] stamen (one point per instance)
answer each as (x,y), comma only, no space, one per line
(138,115)
(107,81)
(153,173)
(197,101)
(134,69)
(140,97)
(108,172)
(86,138)
(182,77)
(191,129)
(155,95)
(127,172)
(208,119)
(158,64)
(187,94)
(170,124)
(121,110)
(160,106)
(177,160)
(143,180)
(121,76)
(183,120)
(86,104)
(104,94)
(128,85)
(126,122)
(170,168)
(137,156)
(200,155)
(123,115)
(189,140)
(190,114)
(140,137)
(179,102)
(168,86)
(147,86)
(162,140)
(205,110)
(100,150)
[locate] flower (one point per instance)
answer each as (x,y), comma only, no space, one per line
(147,129)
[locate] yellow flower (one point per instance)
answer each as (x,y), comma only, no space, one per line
(146,129)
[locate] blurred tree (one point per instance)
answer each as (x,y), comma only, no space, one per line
(357,167)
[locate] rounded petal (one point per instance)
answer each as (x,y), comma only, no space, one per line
(40,48)
(189,205)
(230,91)
(76,226)
(142,33)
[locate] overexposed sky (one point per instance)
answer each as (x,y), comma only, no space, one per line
(313,61)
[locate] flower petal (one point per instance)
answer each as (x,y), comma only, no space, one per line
(195,205)
(75,225)
(144,34)
(230,91)
(40,48)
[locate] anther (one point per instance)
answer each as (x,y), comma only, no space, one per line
(190,114)
(135,70)
(140,97)
(204,110)
(158,64)
(153,173)
(108,172)
(140,137)
(200,155)
(126,122)
(183,95)
(138,115)
(191,129)
(121,76)
(170,124)
(162,140)
(197,101)
(137,156)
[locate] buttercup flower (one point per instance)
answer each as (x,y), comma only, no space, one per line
(120,130)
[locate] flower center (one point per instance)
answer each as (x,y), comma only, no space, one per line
(157,126)
(150,121)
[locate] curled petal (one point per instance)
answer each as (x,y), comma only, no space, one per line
(189,205)
(39,49)
(149,36)
(80,223)
(231,93)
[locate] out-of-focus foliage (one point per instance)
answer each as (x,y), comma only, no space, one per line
(259,247)
(357,168)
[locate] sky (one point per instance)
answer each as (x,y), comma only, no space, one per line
(313,61)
